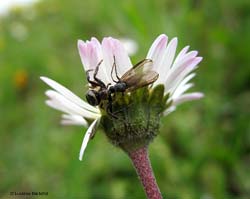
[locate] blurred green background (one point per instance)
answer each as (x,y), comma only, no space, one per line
(203,150)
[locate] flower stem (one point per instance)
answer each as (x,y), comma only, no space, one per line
(144,170)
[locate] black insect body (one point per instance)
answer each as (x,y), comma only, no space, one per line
(138,76)
(94,97)
(98,91)
(118,87)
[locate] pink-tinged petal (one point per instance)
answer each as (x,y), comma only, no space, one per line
(97,45)
(167,60)
(112,47)
(82,48)
(160,39)
(107,57)
(192,66)
(181,54)
(187,56)
(180,66)
(179,72)
(102,74)
(87,136)
(90,53)
(187,97)
(121,56)
(156,51)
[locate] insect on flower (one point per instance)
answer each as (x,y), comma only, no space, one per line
(166,73)
(138,76)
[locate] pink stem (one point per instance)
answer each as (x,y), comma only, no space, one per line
(144,170)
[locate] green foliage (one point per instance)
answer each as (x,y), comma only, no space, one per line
(203,148)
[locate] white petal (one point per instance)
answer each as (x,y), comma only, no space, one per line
(181,54)
(91,56)
(181,90)
(69,95)
(82,49)
(107,57)
(69,117)
(58,106)
(156,43)
(180,71)
(189,56)
(87,135)
(167,62)
(73,108)
(113,47)
(169,110)
(90,53)
(73,120)
(186,70)
(121,56)
(156,51)
(175,89)
(188,97)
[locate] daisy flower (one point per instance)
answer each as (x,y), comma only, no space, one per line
(175,72)
(137,111)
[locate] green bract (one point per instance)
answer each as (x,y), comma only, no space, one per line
(138,117)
